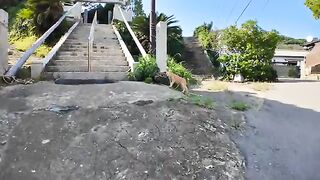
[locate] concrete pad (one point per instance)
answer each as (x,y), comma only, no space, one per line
(125,130)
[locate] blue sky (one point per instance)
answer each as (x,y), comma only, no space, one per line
(289,17)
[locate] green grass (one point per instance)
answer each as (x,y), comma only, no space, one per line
(200,101)
(24,44)
(239,106)
(42,51)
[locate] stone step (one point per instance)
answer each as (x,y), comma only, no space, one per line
(112,76)
(72,49)
(95,46)
(85,49)
(72,53)
(78,68)
(107,53)
(76,43)
(84,36)
(75,46)
(85,43)
(85,63)
(75,58)
(71,58)
(95,53)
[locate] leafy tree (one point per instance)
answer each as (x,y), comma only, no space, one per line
(250,51)
(34,17)
(314,6)
(206,36)
(138,8)
(204,27)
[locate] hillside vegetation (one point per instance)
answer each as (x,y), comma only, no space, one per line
(29,19)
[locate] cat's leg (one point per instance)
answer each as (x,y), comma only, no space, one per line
(171,83)
(184,88)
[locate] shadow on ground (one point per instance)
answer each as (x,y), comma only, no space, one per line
(279,141)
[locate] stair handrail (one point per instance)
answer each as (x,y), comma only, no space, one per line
(91,39)
(136,40)
(125,50)
(15,68)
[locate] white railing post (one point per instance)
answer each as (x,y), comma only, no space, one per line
(109,17)
(161,52)
(91,39)
(136,40)
(125,50)
(4,45)
(78,10)
(85,16)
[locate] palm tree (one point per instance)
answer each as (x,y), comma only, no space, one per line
(175,41)
(153,23)
(46,13)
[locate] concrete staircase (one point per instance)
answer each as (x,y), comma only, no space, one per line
(195,58)
(107,62)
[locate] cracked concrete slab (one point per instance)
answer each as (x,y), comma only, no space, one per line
(124,130)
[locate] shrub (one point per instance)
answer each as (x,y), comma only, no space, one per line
(148,80)
(293,72)
(180,70)
(214,56)
(147,68)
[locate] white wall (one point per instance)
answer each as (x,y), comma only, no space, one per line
(161,52)
(4,45)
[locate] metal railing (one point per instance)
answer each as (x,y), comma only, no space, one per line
(91,39)
(136,40)
(15,68)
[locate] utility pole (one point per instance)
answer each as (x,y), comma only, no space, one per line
(153,22)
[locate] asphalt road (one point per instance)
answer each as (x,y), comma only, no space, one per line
(282,141)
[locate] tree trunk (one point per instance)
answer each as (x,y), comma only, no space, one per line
(153,27)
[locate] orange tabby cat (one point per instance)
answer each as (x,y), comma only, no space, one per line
(175,79)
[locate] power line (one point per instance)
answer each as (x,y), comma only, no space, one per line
(232,10)
(244,10)
(265,5)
